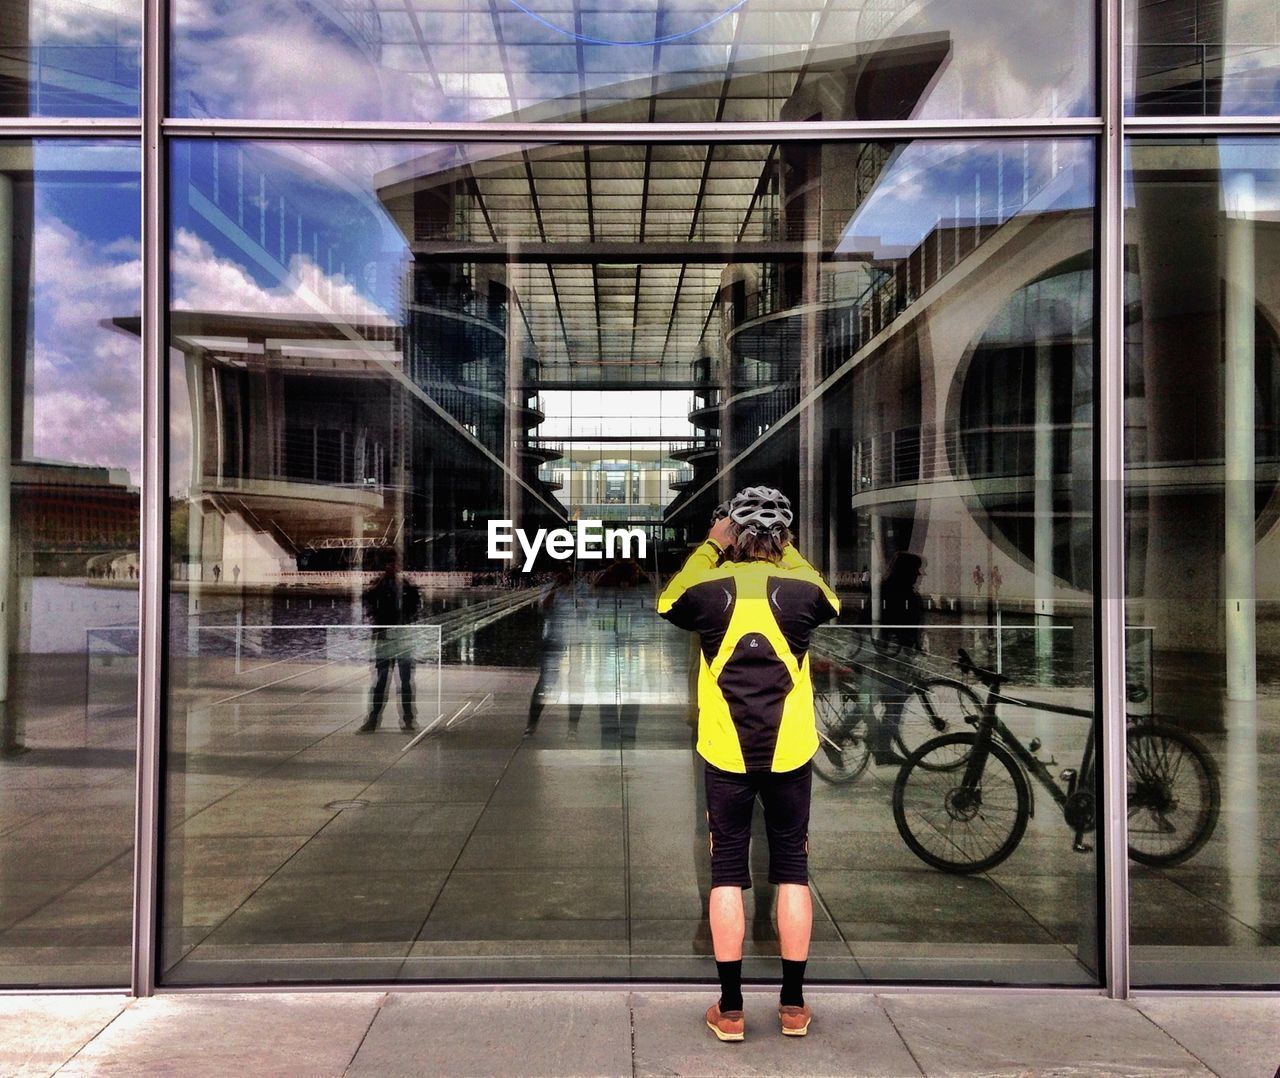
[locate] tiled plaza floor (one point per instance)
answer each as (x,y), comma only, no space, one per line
(449,1033)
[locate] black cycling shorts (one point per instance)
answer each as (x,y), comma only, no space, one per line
(731,799)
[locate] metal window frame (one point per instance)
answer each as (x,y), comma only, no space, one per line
(1108,542)
(1108,128)
(154,515)
(726,133)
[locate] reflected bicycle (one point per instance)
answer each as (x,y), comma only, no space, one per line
(926,709)
(962,801)
(918,709)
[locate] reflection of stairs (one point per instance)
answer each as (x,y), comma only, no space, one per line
(1186,78)
(269,528)
(260,548)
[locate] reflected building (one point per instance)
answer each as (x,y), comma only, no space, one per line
(316,445)
(863,375)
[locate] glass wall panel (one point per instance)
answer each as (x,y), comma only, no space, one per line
(69,466)
(70,57)
(1198,58)
(649,61)
(1202,415)
(386,359)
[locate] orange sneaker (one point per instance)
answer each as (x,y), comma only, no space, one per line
(795,1020)
(726,1025)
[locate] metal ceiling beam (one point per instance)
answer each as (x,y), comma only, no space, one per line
(671,252)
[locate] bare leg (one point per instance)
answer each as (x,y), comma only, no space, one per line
(728,923)
(795,920)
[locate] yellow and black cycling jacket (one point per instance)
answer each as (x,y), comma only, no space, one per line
(754,618)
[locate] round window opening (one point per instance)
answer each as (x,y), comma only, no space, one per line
(1025,418)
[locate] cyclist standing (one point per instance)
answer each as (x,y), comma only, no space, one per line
(754,602)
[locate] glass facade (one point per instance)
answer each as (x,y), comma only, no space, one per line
(1200,533)
(394,348)
(69,472)
(345,487)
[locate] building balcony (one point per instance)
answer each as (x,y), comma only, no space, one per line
(542,452)
(695,449)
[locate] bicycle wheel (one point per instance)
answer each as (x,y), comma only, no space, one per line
(1173,794)
(954,826)
(843,751)
(934,708)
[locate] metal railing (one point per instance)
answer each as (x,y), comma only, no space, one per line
(1187,78)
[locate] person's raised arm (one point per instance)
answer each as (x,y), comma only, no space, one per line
(705,558)
(794,561)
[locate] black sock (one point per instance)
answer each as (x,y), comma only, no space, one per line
(730,974)
(792,994)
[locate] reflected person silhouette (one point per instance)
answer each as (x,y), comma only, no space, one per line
(556,667)
(903,615)
(391,606)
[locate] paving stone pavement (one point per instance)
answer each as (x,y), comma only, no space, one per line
(619,1032)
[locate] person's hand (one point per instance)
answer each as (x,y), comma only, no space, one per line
(721,533)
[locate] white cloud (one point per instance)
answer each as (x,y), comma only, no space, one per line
(86,21)
(270,60)
(206,282)
(85,402)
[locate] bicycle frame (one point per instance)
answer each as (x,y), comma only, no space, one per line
(990,725)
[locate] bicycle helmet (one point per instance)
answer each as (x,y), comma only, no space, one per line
(760,509)
(721,511)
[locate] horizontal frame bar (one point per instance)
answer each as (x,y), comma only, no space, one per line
(1202,125)
(1191,992)
(409,131)
(878,988)
(46,127)
(789,131)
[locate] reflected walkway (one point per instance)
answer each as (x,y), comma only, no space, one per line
(555,831)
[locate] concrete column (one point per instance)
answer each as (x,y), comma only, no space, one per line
(1242,812)
(427,484)
(1239,558)
(400,469)
(877,564)
(1043,496)
(195,499)
(513,431)
(811,494)
(1177,586)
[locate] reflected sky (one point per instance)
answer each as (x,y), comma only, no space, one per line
(82,57)
(683,61)
(86,270)
(929,183)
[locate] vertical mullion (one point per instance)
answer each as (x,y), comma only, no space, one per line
(153,504)
(1113,821)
